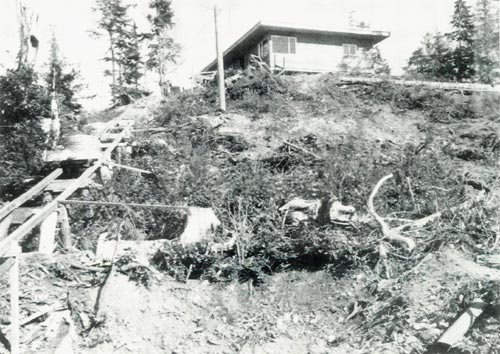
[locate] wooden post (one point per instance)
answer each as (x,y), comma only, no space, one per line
(14,307)
(220,62)
(47,234)
(457,330)
(64,227)
(119,155)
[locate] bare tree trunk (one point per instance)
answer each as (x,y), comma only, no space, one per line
(113,68)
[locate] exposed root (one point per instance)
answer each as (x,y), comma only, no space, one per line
(392,235)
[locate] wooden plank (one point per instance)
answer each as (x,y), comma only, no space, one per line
(159,130)
(64,227)
(461,326)
(59,185)
(47,244)
(5,266)
(130,205)
(134,169)
(5,225)
(43,213)
(108,137)
(14,308)
(40,186)
(433,84)
(105,146)
(20,215)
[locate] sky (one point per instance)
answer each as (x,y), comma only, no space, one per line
(72,20)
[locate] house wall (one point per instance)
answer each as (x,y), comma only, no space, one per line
(318,53)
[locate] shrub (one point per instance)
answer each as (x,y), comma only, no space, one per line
(23,102)
(185,104)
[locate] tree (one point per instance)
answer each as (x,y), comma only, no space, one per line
(433,59)
(112,23)
(60,82)
(380,65)
(23,102)
(163,19)
(162,48)
(462,35)
(124,49)
(486,42)
(28,42)
(130,58)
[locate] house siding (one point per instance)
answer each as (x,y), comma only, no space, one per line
(318,53)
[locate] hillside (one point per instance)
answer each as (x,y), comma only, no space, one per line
(274,283)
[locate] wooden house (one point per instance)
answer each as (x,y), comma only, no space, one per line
(298,48)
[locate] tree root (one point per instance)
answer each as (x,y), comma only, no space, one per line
(391,235)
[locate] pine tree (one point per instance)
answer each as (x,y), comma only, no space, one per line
(130,58)
(433,59)
(113,23)
(462,35)
(163,19)
(486,42)
(61,82)
(162,48)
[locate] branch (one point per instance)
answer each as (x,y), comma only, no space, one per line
(389,234)
(296,147)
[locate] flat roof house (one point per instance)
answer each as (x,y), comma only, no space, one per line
(298,48)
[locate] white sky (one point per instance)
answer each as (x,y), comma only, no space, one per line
(71,20)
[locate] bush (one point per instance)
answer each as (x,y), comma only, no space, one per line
(23,102)
(185,104)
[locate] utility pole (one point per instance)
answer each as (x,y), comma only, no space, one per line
(220,62)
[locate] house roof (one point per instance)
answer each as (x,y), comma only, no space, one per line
(255,34)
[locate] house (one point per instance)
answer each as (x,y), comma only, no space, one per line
(299,48)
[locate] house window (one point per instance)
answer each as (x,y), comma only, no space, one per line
(350,50)
(284,45)
(264,49)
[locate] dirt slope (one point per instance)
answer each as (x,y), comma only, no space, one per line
(293,311)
